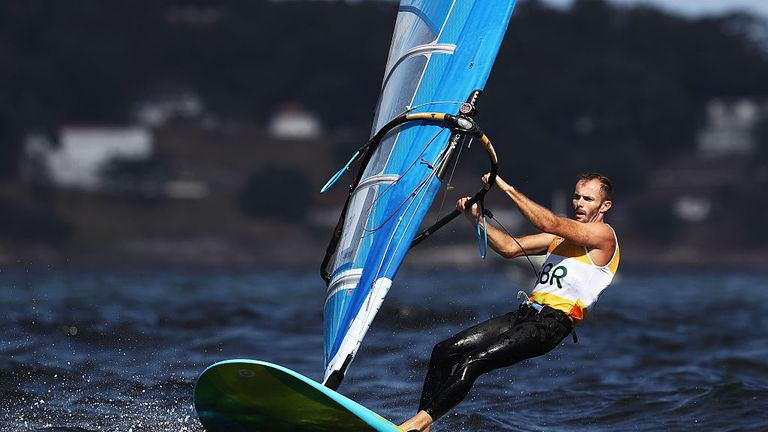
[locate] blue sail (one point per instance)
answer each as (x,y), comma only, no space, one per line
(441,52)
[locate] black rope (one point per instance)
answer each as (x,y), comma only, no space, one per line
(493,218)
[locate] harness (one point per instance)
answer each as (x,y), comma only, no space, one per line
(539,307)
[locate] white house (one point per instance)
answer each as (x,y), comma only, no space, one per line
(292,122)
(729,127)
(84,151)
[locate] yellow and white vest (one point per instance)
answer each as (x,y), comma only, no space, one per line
(569,281)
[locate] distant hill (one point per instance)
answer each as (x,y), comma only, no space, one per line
(595,87)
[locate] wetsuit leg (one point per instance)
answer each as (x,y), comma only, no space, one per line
(446,354)
(529,336)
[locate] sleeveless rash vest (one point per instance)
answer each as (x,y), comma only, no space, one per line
(569,281)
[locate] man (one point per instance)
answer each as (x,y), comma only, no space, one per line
(582,257)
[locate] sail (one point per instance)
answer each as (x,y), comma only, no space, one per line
(442,51)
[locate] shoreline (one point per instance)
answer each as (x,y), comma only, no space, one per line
(457,256)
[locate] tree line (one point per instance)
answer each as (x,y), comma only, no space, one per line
(599,86)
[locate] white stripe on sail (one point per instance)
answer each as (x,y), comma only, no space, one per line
(359,326)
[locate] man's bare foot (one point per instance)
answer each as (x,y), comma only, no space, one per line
(419,422)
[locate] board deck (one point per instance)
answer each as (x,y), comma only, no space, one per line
(256,396)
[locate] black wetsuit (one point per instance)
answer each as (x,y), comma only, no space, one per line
(499,342)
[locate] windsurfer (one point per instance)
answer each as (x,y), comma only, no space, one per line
(582,257)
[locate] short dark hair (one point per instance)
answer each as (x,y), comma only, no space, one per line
(605,183)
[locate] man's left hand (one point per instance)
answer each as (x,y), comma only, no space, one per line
(499,182)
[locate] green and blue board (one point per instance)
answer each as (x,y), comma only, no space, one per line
(256,396)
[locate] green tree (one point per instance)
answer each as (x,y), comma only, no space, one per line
(760,138)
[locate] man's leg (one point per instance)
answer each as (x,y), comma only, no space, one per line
(532,337)
(446,354)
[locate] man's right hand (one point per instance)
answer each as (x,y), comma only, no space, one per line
(471,214)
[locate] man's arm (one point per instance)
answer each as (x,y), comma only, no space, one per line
(593,235)
(502,243)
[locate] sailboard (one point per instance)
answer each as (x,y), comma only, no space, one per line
(256,396)
(439,61)
(441,55)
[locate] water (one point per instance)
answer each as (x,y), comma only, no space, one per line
(88,350)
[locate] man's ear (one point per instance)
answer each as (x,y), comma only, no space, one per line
(606,206)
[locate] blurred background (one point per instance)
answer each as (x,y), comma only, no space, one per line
(160,168)
(200,132)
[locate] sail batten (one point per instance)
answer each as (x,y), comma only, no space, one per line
(441,52)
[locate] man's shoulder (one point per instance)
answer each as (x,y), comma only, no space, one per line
(603,226)
(609,236)
(604,234)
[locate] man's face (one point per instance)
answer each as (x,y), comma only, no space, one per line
(588,201)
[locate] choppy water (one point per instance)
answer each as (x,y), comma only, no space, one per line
(120,351)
